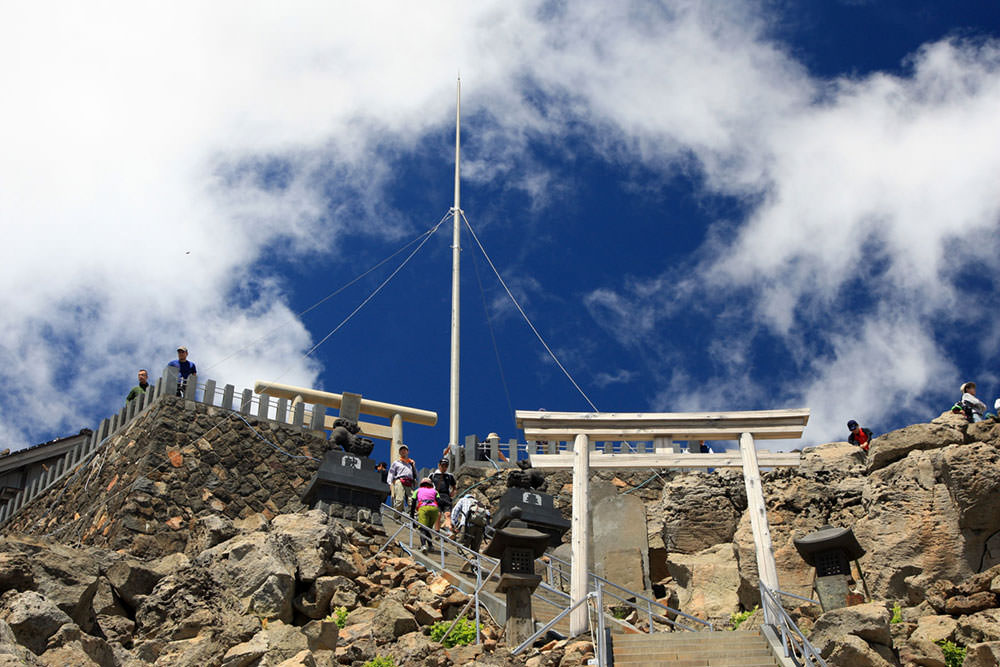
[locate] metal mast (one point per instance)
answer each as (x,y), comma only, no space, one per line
(456,249)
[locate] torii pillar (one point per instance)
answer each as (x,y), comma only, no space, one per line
(662,429)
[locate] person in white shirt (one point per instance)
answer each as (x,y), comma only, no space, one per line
(971,402)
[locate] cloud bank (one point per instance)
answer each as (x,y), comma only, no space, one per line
(157,162)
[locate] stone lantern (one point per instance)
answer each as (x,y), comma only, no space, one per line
(537,509)
(517,546)
(830,551)
(347,485)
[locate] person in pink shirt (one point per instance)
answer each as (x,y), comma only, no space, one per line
(425,504)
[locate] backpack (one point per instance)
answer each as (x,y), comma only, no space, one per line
(478,515)
(961,407)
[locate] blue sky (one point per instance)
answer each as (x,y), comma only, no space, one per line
(701,206)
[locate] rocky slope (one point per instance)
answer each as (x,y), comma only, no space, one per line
(185,543)
(924,503)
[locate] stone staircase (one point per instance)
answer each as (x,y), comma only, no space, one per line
(694,649)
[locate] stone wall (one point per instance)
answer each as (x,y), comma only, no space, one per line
(144,489)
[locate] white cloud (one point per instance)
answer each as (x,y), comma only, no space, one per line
(133,137)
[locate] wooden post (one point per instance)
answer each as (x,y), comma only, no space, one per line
(397,435)
(767,571)
(580,526)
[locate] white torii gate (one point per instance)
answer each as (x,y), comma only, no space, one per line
(352,405)
(662,428)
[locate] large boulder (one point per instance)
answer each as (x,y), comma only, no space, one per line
(857,635)
(271,646)
(696,511)
(65,576)
(928,517)
(706,583)
(391,620)
(259,569)
(986,654)
(192,604)
(313,539)
(895,445)
(32,618)
(71,646)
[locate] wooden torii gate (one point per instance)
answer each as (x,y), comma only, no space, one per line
(662,428)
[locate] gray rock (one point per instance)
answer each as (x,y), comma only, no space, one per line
(313,539)
(258,569)
(983,626)
(687,526)
(986,654)
(12,653)
(133,580)
(852,651)
(707,583)
(895,445)
(867,622)
(70,644)
(321,635)
(65,576)
(32,618)
(392,620)
(315,602)
(208,531)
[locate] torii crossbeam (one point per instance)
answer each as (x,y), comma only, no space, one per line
(584,428)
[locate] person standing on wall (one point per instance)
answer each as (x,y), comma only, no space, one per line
(185,369)
(140,388)
(400,478)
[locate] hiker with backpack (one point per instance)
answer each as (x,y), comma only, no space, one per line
(469,520)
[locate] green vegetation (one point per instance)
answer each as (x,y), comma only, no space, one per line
(897,613)
(381,661)
(737,617)
(464,632)
(339,616)
(620,612)
(954,655)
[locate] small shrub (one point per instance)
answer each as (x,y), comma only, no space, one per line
(464,632)
(897,613)
(339,616)
(381,661)
(737,617)
(954,655)
(621,612)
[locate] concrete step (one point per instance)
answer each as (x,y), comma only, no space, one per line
(647,662)
(694,649)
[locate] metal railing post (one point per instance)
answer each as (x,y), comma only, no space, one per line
(479,584)
(602,644)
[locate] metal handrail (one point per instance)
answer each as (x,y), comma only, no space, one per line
(545,628)
(595,579)
(795,644)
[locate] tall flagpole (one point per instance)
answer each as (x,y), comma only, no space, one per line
(456,249)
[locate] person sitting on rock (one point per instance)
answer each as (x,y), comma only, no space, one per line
(859,436)
(425,504)
(971,403)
